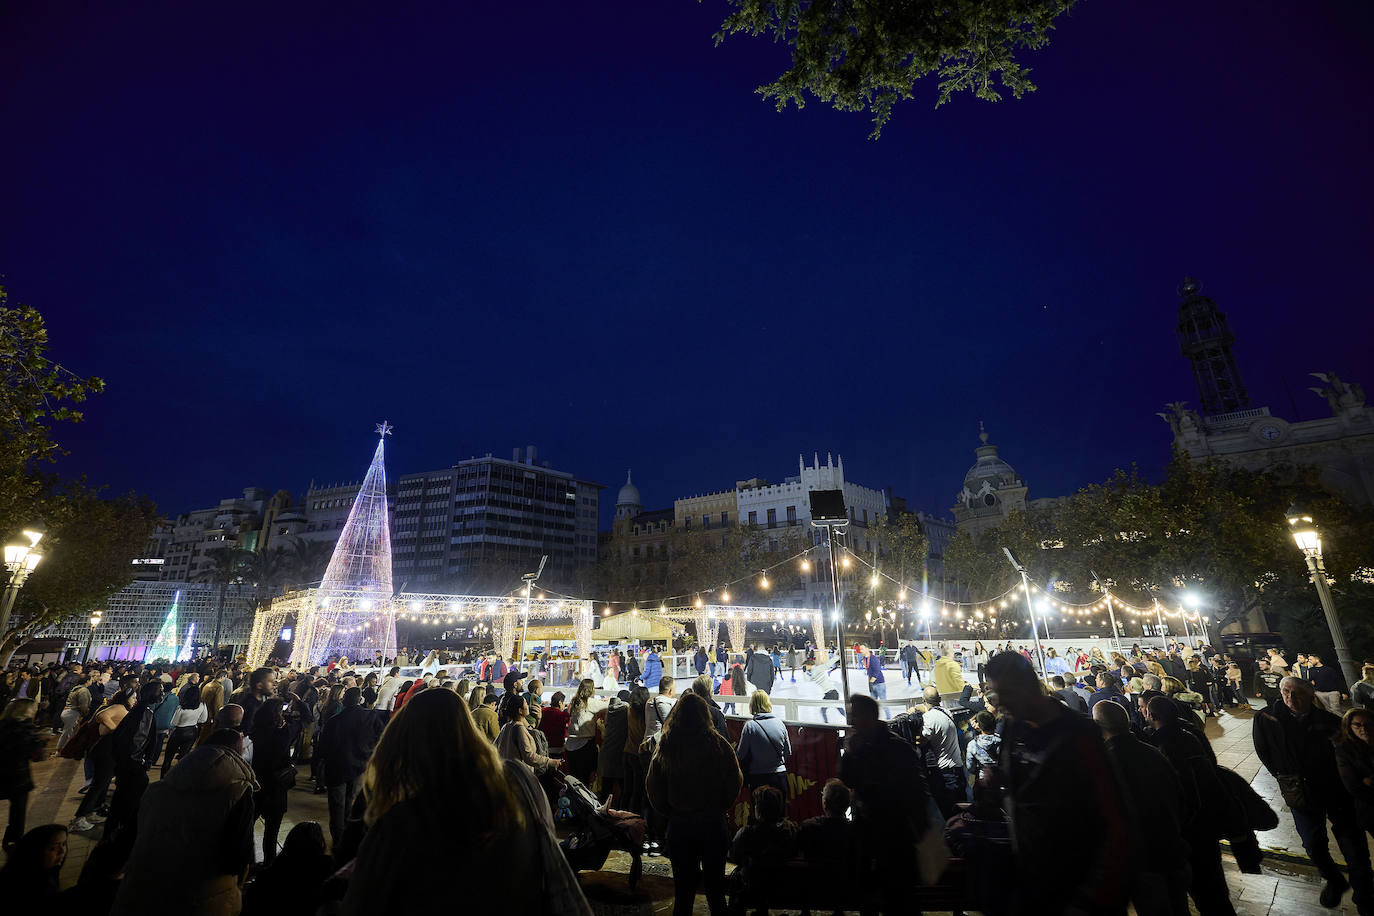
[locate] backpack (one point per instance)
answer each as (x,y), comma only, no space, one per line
(908,726)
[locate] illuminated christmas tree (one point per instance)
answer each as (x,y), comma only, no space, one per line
(354,617)
(165,646)
(185,654)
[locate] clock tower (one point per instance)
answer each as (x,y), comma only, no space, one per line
(1229,429)
(1205,339)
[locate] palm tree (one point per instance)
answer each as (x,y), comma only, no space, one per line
(306,563)
(268,569)
(226,567)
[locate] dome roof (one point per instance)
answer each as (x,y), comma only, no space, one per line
(989,467)
(629,494)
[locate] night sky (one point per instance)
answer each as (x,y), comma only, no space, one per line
(574,224)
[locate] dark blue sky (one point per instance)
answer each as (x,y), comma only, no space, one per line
(576,225)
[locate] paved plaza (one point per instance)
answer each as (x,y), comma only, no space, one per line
(1288,885)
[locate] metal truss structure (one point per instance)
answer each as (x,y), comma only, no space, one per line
(353,623)
(133,617)
(708,618)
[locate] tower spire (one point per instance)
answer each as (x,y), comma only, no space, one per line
(1205,339)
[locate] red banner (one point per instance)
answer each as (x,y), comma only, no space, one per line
(815,758)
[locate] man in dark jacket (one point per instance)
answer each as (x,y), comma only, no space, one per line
(1331,689)
(1156,813)
(890,798)
(700,660)
(1293,740)
(1204,798)
(346,743)
(758,670)
(262,683)
(1071,697)
(1054,761)
(1266,683)
(134,747)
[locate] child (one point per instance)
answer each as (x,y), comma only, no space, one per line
(986,745)
(769,840)
(828,841)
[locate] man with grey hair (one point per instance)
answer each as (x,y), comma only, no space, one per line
(1293,740)
(944,761)
(1152,682)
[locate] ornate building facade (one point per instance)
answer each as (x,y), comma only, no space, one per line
(1340,446)
(992,490)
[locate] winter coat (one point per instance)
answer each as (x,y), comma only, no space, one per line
(195,836)
(949,676)
(653,669)
(346,743)
(699,662)
(1157,804)
(165,710)
(271,752)
(19,741)
(1288,746)
(1355,763)
(763,745)
(610,764)
(759,671)
(134,740)
(698,779)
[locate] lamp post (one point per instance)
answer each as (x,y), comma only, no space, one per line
(90,640)
(1030,605)
(20,560)
(1107,596)
(1308,538)
(529,580)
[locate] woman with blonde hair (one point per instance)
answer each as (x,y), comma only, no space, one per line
(764,746)
(212,698)
(430,770)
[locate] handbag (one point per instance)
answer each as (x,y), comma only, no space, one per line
(81,741)
(1294,792)
(284,776)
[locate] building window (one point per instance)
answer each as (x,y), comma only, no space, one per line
(705,522)
(791,515)
(772,518)
(753,518)
(687,523)
(724,519)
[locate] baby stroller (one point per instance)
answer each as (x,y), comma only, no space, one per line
(597,830)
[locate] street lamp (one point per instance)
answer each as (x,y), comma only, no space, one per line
(20,560)
(90,640)
(1309,540)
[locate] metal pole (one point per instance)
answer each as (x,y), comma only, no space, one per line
(835,596)
(1159,619)
(12,587)
(1030,605)
(1333,622)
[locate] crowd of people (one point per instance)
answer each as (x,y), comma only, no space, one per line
(1115,742)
